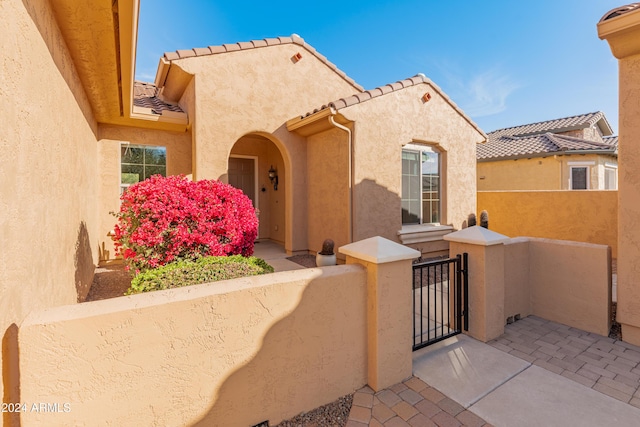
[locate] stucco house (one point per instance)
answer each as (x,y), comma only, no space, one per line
(570,153)
(319,156)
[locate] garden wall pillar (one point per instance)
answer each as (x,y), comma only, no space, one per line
(389,307)
(486,279)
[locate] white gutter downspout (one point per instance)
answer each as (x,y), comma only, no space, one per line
(346,129)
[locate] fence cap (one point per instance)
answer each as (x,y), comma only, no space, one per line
(476,235)
(378,250)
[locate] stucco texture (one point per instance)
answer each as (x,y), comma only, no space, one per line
(581,216)
(111,137)
(544,173)
(48,157)
(254,92)
(565,282)
(222,354)
(383,126)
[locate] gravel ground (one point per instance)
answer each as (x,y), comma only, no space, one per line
(334,414)
(109,281)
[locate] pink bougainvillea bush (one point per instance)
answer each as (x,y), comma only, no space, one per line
(169,219)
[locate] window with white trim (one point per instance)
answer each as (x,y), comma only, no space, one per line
(579,177)
(139,162)
(610,178)
(421,185)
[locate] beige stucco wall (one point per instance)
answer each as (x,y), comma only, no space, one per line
(562,281)
(48,157)
(328,188)
(383,125)
(571,283)
(543,173)
(622,33)
(583,216)
(517,286)
(222,354)
(256,91)
(111,137)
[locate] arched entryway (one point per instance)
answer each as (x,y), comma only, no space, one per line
(251,159)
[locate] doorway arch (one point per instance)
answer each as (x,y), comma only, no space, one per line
(250,160)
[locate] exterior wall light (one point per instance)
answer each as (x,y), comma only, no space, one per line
(273,177)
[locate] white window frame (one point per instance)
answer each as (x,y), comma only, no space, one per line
(580,165)
(129,145)
(611,167)
(420,149)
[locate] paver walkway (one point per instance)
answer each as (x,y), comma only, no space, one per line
(606,365)
(410,403)
(603,364)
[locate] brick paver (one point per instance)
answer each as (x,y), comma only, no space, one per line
(606,365)
(410,403)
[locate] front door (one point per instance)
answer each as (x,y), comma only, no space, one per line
(242,175)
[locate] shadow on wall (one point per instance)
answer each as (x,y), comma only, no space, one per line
(44,20)
(83,263)
(11,374)
(305,359)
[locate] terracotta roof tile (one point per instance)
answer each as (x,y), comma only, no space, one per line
(556,125)
(621,10)
(146,95)
(392,87)
(253,44)
(514,147)
(200,51)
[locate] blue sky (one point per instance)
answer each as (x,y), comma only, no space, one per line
(504,63)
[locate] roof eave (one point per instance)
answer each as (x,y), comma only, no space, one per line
(622,33)
(316,122)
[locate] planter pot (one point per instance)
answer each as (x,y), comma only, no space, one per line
(325,260)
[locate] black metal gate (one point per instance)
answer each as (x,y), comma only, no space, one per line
(439,300)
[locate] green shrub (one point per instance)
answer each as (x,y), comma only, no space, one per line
(202,270)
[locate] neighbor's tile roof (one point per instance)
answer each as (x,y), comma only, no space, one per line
(556,125)
(514,147)
(621,10)
(253,44)
(146,95)
(388,88)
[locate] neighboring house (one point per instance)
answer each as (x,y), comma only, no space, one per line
(621,28)
(572,153)
(77,130)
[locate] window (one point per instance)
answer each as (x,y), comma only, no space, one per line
(421,191)
(579,177)
(610,178)
(139,162)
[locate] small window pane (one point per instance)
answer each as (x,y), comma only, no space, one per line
(132,174)
(155,156)
(132,154)
(579,178)
(149,171)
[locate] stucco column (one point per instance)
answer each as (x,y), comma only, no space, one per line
(486,279)
(621,28)
(389,307)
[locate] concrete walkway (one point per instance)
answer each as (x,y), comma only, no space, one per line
(275,255)
(537,373)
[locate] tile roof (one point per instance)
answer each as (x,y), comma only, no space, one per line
(392,87)
(146,95)
(253,44)
(515,147)
(621,10)
(556,125)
